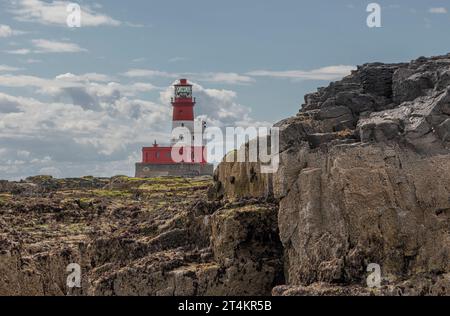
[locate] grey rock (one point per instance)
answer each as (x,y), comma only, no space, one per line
(333,112)
(443,130)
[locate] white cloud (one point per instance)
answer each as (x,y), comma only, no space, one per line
(148,73)
(438,10)
(23,154)
(86,89)
(74,139)
(20,81)
(84,77)
(214,77)
(223,77)
(21,51)
(55,13)
(7,31)
(5,68)
(46,46)
(9,104)
(325,73)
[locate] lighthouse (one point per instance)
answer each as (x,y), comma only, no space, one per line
(183,106)
(158,160)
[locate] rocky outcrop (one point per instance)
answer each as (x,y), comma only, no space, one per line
(135,237)
(364,178)
(243,257)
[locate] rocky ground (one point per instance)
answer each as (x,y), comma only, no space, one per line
(364,178)
(134,237)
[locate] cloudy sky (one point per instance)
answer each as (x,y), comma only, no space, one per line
(83,101)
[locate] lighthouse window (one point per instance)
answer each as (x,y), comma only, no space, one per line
(182,124)
(157,155)
(183,92)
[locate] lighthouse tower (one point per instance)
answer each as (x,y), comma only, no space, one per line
(183,112)
(157,160)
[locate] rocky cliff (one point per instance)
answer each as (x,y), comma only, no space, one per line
(364,178)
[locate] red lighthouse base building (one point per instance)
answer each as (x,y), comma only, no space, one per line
(158,161)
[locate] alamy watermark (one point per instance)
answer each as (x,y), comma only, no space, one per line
(258,145)
(374,279)
(74,15)
(374,18)
(74,277)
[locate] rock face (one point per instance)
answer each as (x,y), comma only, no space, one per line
(245,240)
(240,254)
(364,178)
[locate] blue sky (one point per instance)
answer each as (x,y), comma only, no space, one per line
(106,84)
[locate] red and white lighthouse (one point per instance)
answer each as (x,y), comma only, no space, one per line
(157,160)
(183,112)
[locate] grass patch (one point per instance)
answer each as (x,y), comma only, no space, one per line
(78,228)
(133,179)
(86,200)
(112,193)
(4,199)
